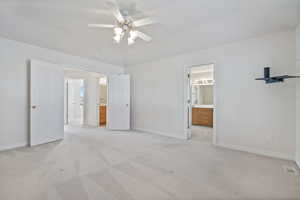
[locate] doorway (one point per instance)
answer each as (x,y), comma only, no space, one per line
(74,101)
(66,96)
(82,98)
(201,107)
(103,101)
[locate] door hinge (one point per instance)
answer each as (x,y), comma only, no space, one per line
(189,76)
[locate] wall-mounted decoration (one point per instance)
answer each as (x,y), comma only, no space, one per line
(274,79)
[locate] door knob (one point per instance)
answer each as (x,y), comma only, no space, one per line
(33,107)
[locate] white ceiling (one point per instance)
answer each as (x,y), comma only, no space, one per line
(184,25)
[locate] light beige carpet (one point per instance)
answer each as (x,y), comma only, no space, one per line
(95,164)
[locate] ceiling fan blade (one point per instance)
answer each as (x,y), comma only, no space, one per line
(144,22)
(101,25)
(116,11)
(143,36)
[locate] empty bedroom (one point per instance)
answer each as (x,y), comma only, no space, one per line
(149,100)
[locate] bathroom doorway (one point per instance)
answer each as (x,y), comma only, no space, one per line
(103,101)
(200,100)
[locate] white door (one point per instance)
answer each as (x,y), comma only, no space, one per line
(118,108)
(46,102)
(298,119)
(75,112)
(66,120)
(189,104)
(91,101)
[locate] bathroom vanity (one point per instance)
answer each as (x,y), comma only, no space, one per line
(202,115)
(102,114)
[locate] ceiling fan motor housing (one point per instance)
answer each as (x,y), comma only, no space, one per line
(127,25)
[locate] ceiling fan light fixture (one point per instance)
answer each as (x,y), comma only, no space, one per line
(118,30)
(133,34)
(125,25)
(132,37)
(117,38)
(131,41)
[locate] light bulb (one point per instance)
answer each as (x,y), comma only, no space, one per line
(117,38)
(133,34)
(130,41)
(118,30)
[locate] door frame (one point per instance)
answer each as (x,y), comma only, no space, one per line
(66,102)
(187,108)
(99,102)
(81,74)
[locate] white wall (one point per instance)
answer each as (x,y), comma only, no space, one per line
(298,99)
(14,100)
(251,115)
(91,101)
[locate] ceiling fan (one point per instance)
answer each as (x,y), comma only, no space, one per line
(125,25)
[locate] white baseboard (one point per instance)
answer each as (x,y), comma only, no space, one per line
(182,137)
(257,151)
(13,146)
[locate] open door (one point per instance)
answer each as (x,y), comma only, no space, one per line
(75,111)
(118,110)
(91,101)
(46,102)
(189,104)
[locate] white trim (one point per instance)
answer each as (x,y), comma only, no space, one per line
(257,151)
(13,146)
(186,96)
(215,105)
(183,137)
(38,143)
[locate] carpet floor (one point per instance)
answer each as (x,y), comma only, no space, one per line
(96,164)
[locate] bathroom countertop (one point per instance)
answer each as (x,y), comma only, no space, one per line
(202,106)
